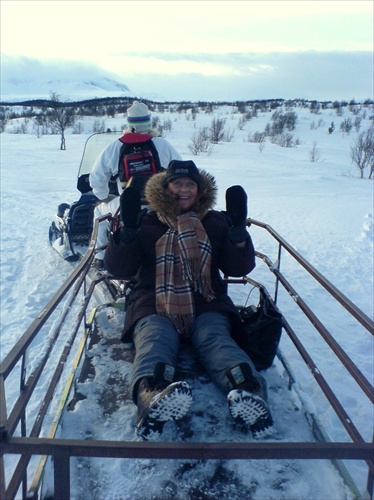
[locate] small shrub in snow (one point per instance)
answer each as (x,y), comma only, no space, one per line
(331,128)
(167,124)
(261,145)
(282,121)
(241,122)
(98,126)
(20,127)
(315,107)
(257,137)
(200,142)
(155,121)
(362,152)
(228,135)
(3,122)
(314,153)
(78,128)
(217,130)
(284,141)
(346,125)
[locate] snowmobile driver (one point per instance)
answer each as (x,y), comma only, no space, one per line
(174,253)
(107,166)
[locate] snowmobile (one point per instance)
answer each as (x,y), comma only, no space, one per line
(69,433)
(70,232)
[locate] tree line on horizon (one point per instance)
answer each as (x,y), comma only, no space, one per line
(58,116)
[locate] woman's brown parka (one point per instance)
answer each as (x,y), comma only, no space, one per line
(137,260)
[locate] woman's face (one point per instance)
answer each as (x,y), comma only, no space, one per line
(185,190)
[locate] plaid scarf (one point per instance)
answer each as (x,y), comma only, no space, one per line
(183,260)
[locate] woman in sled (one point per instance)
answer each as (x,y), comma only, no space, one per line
(174,253)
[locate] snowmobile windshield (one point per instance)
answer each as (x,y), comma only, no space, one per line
(93,147)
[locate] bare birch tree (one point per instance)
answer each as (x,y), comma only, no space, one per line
(61,116)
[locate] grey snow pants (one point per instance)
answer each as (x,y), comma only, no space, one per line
(157,340)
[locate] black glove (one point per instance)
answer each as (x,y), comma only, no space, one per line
(130,209)
(236,210)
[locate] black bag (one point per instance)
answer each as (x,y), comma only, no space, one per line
(260,331)
(138,156)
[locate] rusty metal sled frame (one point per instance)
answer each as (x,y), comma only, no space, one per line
(28,434)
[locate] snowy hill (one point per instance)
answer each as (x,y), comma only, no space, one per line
(19,90)
(24,78)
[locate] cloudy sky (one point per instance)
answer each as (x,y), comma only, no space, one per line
(202,49)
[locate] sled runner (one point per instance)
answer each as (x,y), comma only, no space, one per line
(74,407)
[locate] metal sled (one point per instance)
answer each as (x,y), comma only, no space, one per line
(29,425)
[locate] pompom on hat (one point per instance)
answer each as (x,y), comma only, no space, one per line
(139,117)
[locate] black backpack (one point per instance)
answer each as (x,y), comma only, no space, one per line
(138,157)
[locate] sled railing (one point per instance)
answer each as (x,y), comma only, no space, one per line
(359,315)
(322,280)
(30,434)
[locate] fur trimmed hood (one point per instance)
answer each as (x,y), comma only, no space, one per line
(162,201)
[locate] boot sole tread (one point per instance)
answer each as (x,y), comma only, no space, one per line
(252,411)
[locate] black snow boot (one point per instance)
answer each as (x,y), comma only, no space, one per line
(247,402)
(158,402)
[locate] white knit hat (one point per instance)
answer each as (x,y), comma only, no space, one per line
(139,117)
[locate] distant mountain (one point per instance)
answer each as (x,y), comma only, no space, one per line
(23,78)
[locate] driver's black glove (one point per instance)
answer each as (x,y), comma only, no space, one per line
(236,211)
(130,211)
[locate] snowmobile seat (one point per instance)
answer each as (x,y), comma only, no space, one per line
(81,218)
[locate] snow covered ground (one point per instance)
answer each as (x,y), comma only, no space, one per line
(321,208)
